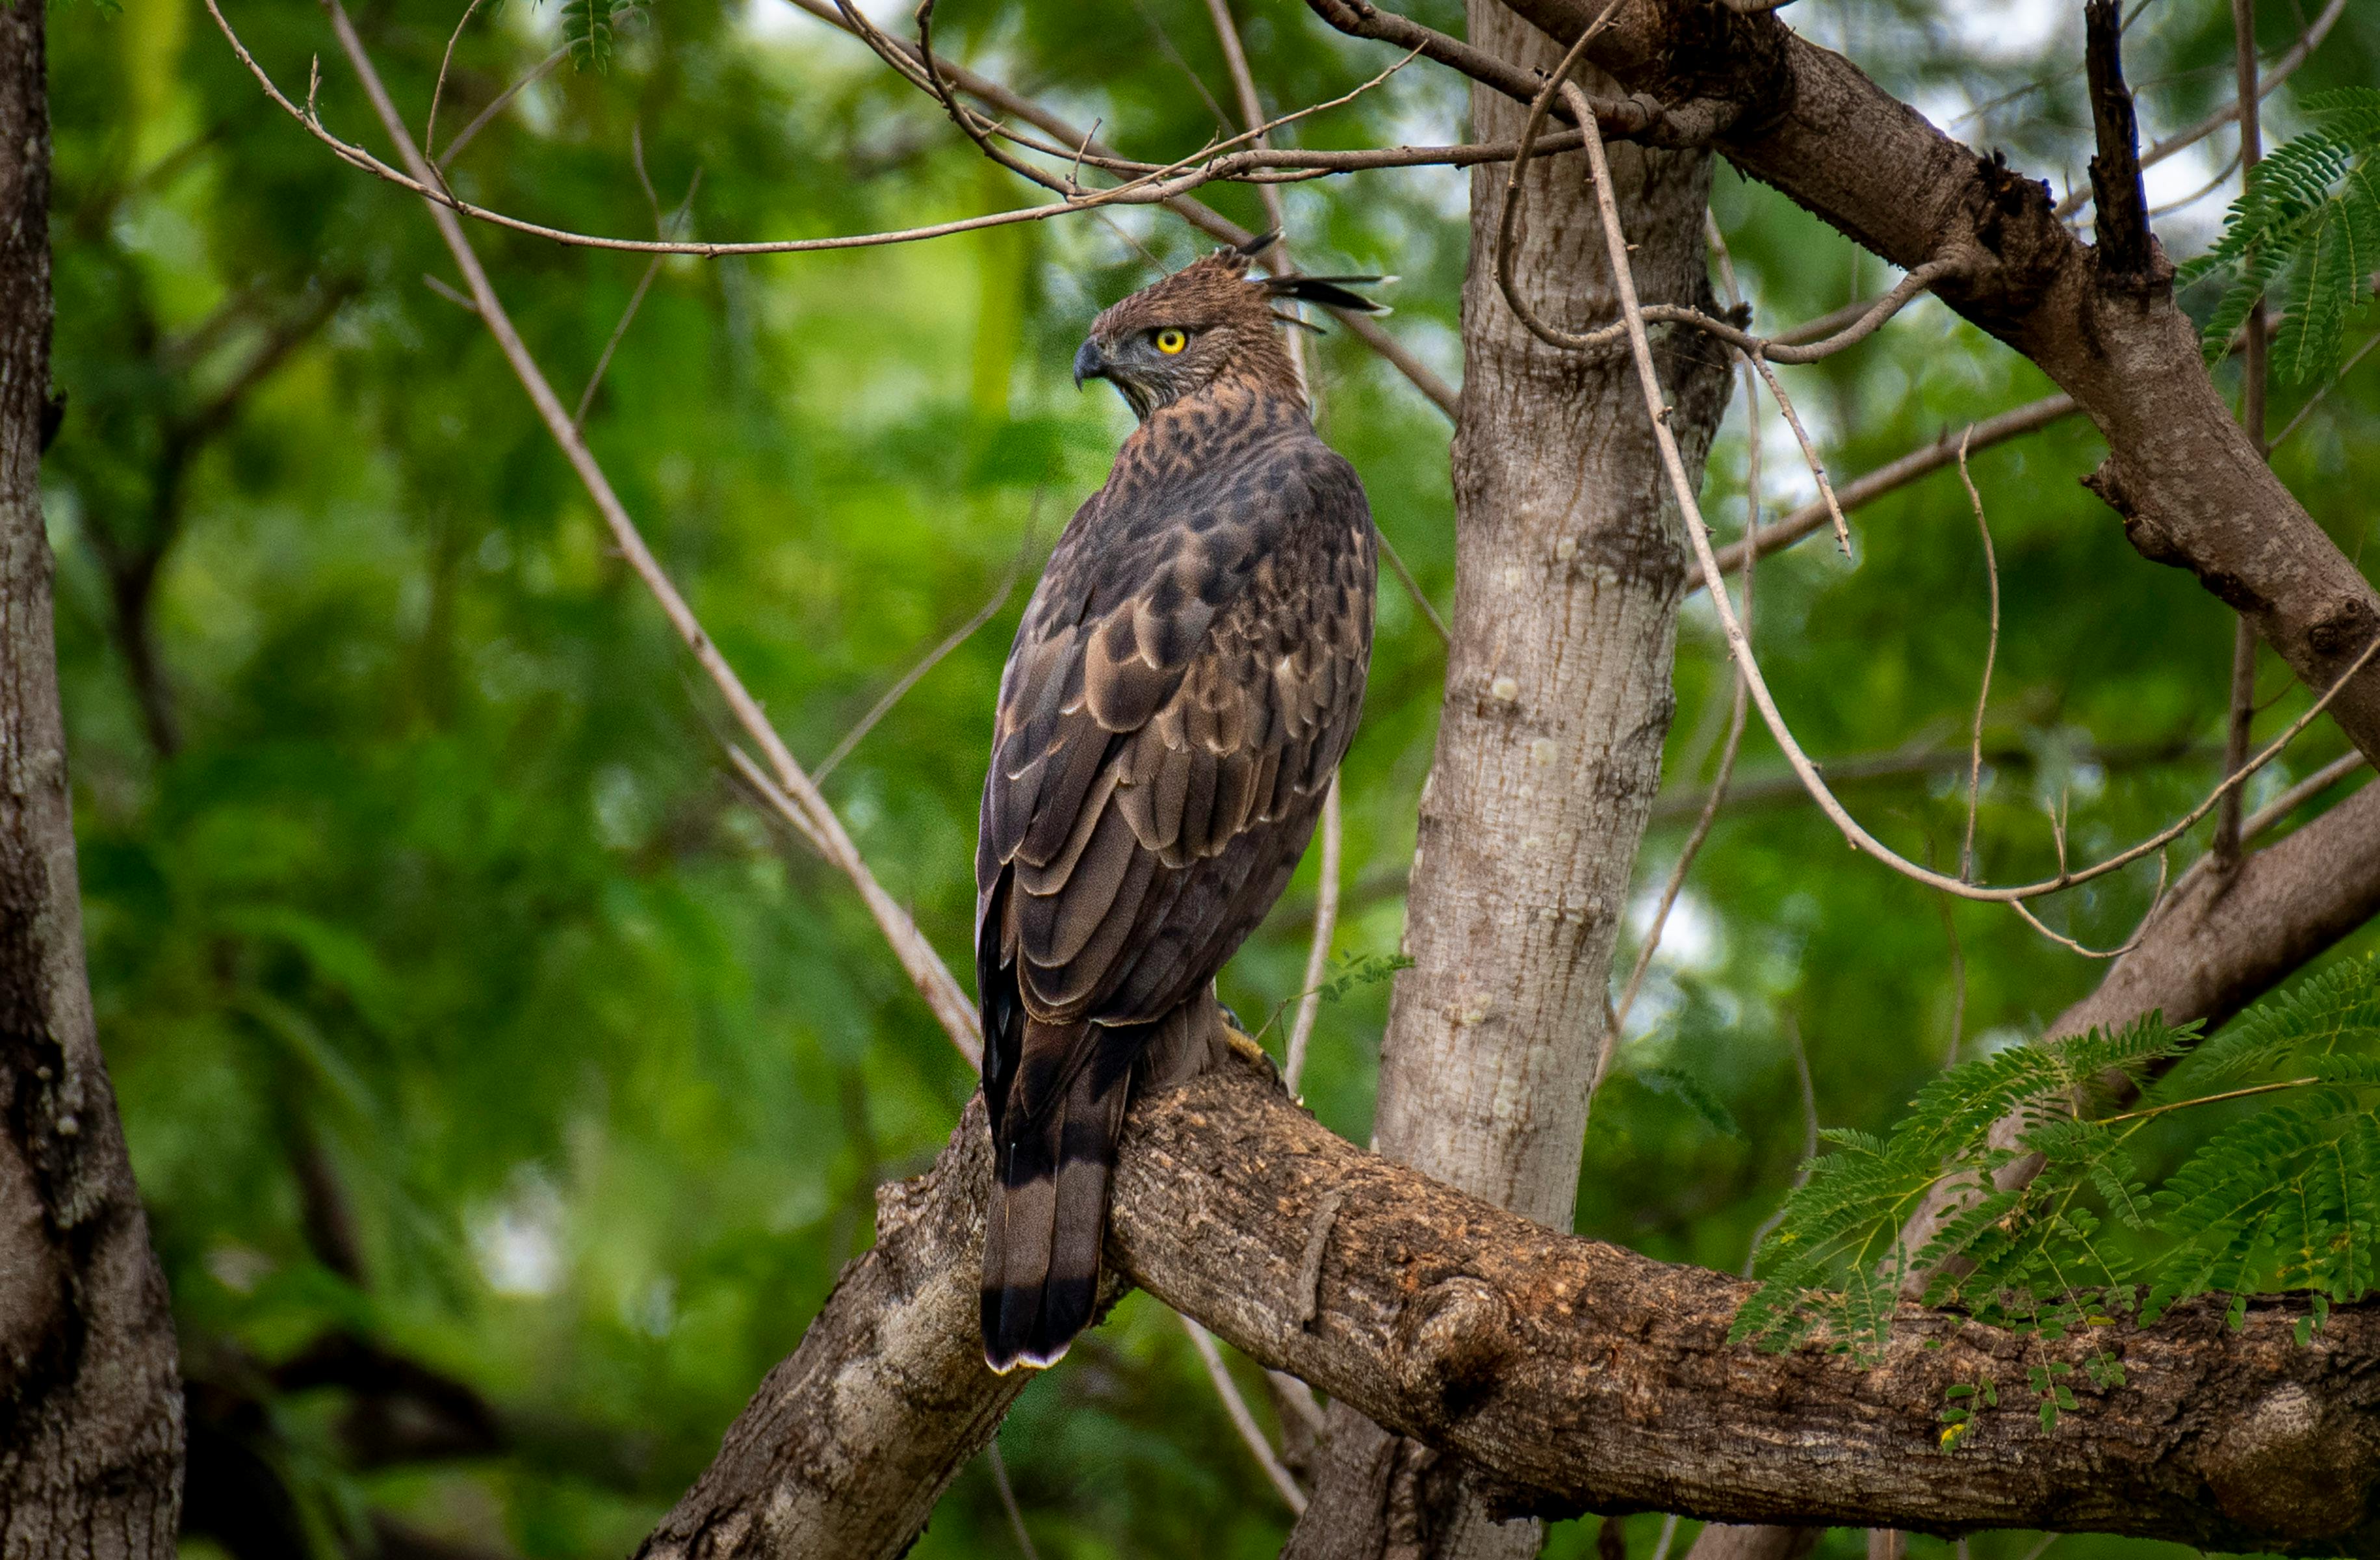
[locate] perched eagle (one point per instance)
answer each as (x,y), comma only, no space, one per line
(1182,689)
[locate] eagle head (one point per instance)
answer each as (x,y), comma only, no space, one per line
(1204,324)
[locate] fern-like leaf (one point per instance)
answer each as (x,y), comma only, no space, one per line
(2306,227)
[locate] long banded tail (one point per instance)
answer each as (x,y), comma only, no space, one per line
(1050,1207)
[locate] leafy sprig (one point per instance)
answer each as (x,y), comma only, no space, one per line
(2284,1199)
(2305,229)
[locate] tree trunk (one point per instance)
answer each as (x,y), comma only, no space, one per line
(91,1403)
(1558,699)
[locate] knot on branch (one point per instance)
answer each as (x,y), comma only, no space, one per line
(1451,1341)
(2286,1468)
(2149,539)
(2343,630)
(2017,244)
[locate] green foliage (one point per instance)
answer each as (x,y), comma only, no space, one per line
(442,888)
(1698,1097)
(591,29)
(1352,970)
(2307,226)
(2284,1199)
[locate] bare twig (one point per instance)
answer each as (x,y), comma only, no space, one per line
(1617,1019)
(2238,732)
(1085,145)
(1609,336)
(446,290)
(2283,68)
(1157,187)
(1801,522)
(1317,955)
(644,285)
(1008,1499)
(1809,449)
(1242,1418)
(934,657)
(1673,463)
(1244,85)
(1809,1138)
(2304,791)
(2157,903)
(925,967)
(1918,763)
(2328,385)
(429,121)
(1991,654)
(1413,588)
(2182,140)
(480,121)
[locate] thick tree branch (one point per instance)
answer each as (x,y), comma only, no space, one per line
(849,1443)
(1575,1375)
(91,1421)
(2222,941)
(2180,473)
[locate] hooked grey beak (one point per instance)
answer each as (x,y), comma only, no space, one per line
(1090,363)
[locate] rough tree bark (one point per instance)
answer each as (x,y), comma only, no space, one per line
(1574,1375)
(91,1402)
(905,1312)
(1569,571)
(1583,1376)
(2300,896)
(851,1441)
(2192,490)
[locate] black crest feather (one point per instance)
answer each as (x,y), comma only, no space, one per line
(1330,291)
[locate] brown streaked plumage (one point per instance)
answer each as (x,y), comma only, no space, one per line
(1183,683)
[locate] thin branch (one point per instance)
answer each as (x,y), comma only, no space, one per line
(1809,449)
(1413,588)
(480,121)
(2209,1100)
(2239,729)
(934,657)
(1809,1139)
(1639,117)
(2266,817)
(2182,140)
(1084,143)
(664,227)
(429,121)
(1317,954)
(1762,351)
(925,967)
(1633,316)
(1896,474)
(1918,763)
(1008,1499)
(2328,385)
(1991,654)
(1242,1420)
(2157,903)
(1740,705)
(1167,183)
(448,291)
(1244,85)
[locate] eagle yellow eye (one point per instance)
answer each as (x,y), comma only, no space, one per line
(1170,341)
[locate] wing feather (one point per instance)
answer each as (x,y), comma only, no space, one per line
(1187,678)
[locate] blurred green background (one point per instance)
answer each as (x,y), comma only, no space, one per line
(506,1090)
